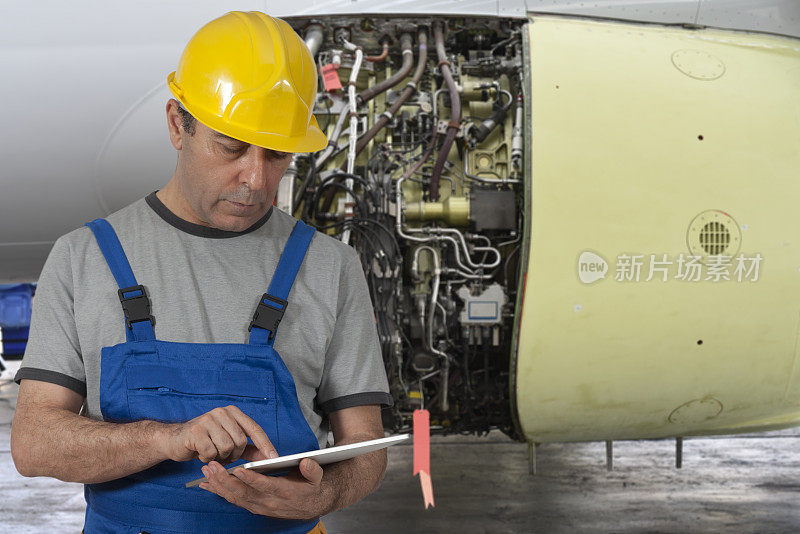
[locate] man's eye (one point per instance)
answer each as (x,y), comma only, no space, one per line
(232,149)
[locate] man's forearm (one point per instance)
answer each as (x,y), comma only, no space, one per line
(73,448)
(345,483)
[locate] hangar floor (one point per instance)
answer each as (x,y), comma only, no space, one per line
(744,484)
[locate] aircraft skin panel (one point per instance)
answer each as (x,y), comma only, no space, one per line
(770,16)
(84,134)
(495,8)
(619,167)
(670,12)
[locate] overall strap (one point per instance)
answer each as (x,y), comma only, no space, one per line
(273,303)
(134,299)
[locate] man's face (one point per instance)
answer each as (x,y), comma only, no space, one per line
(227,183)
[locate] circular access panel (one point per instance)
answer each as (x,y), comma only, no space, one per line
(698,64)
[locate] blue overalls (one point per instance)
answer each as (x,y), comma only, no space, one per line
(145,378)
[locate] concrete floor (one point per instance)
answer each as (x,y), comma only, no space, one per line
(481,485)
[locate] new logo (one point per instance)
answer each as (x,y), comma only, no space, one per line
(591,267)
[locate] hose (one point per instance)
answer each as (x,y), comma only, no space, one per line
(407,93)
(408,61)
(455,111)
(369,94)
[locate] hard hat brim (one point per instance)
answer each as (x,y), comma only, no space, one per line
(312,141)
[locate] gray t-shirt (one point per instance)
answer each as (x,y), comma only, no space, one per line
(204,284)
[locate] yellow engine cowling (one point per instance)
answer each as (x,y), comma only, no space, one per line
(658,140)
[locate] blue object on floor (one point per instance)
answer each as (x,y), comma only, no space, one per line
(15,318)
(15,305)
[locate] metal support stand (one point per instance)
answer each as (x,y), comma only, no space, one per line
(678,452)
(532,457)
(609,455)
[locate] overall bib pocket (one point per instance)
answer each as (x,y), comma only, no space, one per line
(172,394)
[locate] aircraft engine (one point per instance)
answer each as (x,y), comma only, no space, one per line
(525,195)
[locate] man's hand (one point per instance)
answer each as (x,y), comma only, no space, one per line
(220,434)
(305,493)
(298,495)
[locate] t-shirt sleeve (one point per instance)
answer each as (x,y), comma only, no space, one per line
(354,374)
(53,351)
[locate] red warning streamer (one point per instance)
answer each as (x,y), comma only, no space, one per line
(422,454)
(330,77)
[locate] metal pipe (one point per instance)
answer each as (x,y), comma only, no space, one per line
(401,233)
(435,102)
(516,136)
(314,38)
(351,154)
(332,148)
(375,59)
(285,193)
(470,276)
(332,139)
(486,180)
(351,92)
(445,382)
(438,237)
(434,297)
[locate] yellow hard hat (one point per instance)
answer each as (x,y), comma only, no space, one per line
(251,77)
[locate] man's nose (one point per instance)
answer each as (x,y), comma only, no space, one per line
(257,168)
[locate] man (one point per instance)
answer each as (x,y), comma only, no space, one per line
(173,385)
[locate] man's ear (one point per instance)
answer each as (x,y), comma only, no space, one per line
(175,124)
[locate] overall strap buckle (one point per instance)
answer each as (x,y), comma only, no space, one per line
(136,307)
(268,314)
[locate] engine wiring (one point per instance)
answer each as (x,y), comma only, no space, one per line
(441,263)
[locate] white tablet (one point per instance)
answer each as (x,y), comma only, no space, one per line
(321,456)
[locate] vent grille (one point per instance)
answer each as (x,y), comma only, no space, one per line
(715,238)
(713,233)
